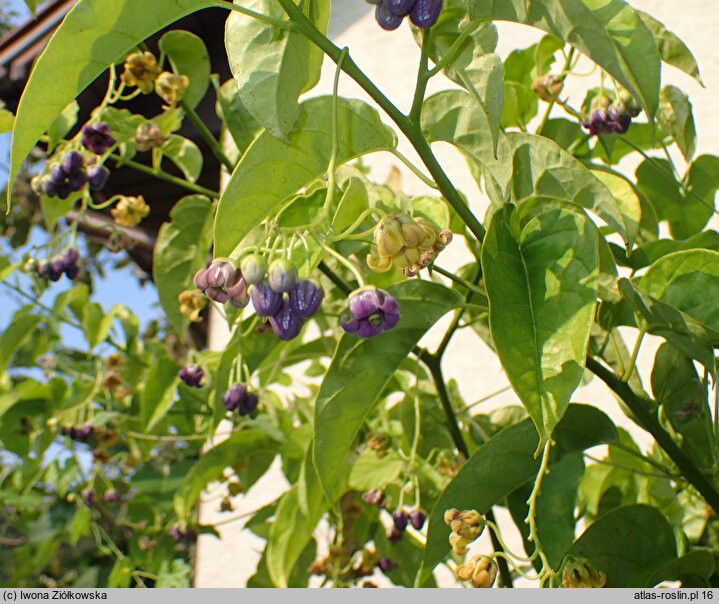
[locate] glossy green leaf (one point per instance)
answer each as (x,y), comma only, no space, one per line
(542,287)
(680,391)
(696,563)
(273,67)
(54,208)
(93,36)
(373,472)
(185,154)
(245,444)
(671,49)
(652,251)
(159,391)
(272,170)
(242,126)
(359,371)
(628,544)
(17,333)
(675,117)
(504,464)
(609,32)
(353,202)
(189,57)
(543,169)
(61,126)
(450,116)
(181,250)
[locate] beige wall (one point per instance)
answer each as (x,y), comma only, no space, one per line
(390,60)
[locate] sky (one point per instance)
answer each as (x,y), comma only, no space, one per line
(120,287)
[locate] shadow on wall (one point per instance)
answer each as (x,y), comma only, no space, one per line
(345,13)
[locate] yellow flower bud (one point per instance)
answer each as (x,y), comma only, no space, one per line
(388,236)
(481,571)
(192,302)
(579,573)
(130,211)
(171,87)
(141,70)
(548,87)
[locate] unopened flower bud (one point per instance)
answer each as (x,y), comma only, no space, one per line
(374,497)
(192,376)
(579,573)
(130,211)
(265,300)
(171,87)
(111,496)
(400,520)
(254,269)
(548,87)
(305,298)
(149,136)
(281,275)
(481,571)
(417,519)
(286,323)
(387,565)
(141,70)
(191,304)
(97,177)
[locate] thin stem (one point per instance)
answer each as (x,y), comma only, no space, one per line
(531,519)
(165,176)
(647,460)
(635,353)
(452,53)
(341,259)
(420,88)
(487,397)
(457,279)
(550,106)
(208,137)
(643,410)
(614,464)
(286,25)
(332,276)
(414,169)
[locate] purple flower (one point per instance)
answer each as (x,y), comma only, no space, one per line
(393,535)
(400,520)
(192,376)
(372,311)
(72,163)
(387,565)
(265,300)
(234,397)
(399,7)
(97,177)
(97,138)
(88,497)
(66,177)
(618,121)
(386,19)
(249,405)
(222,283)
(425,13)
(286,323)
(417,519)
(305,298)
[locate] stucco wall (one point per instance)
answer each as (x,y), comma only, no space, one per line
(390,60)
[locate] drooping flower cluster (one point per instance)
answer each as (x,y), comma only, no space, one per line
(222,282)
(372,312)
(66,262)
(401,519)
(69,176)
(192,376)
(277,295)
(606,118)
(239,399)
(467,526)
(130,211)
(409,244)
(422,13)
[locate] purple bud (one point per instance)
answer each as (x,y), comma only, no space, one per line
(57,176)
(234,397)
(112,496)
(249,405)
(281,276)
(72,272)
(393,535)
(399,7)
(192,376)
(386,19)
(43,268)
(374,497)
(72,163)
(179,535)
(48,187)
(55,269)
(400,520)
(265,301)
(305,298)
(238,294)
(387,565)
(218,274)
(69,257)
(97,138)
(286,324)
(200,279)
(424,13)
(417,519)
(77,181)
(97,177)
(88,497)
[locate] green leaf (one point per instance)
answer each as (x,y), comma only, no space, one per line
(61,126)
(181,250)
(273,67)
(93,36)
(671,49)
(354,201)
(628,544)
(502,465)
(159,392)
(54,208)
(609,32)
(245,444)
(542,289)
(242,126)
(175,574)
(299,511)
(272,170)
(675,116)
(186,155)
(652,251)
(681,393)
(373,472)
(452,117)
(697,563)
(189,57)
(359,371)
(543,169)
(121,573)
(17,334)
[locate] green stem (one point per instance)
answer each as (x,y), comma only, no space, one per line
(166,177)
(452,53)
(643,410)
(550,106)
(208,137)
(422,78)
(457,279)
(635,353)
(409,128)
(286,25)
(414,169)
